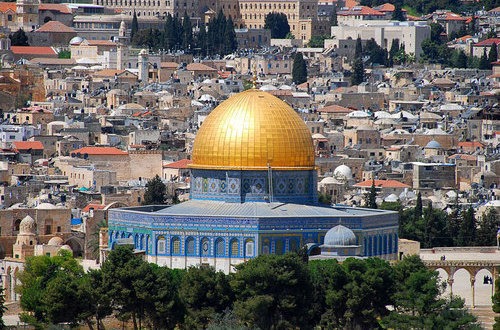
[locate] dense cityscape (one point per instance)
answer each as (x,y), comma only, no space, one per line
(250,164)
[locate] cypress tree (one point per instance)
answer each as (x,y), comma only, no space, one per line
(484,63)
(394,51)
(398,15)
(333,18)
(168,38)
(358,52)
(230,43)
(135,26)
(493,54)
(19,38)
(201,40)
(187,32)
(299,70)
(358,74)
(371,201)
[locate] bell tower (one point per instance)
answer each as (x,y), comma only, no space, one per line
(122,54)
(27,14)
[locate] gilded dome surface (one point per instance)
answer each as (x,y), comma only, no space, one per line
(251,130)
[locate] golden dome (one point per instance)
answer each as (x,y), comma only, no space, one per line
(251,130)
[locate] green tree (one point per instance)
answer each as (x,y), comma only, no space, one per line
(187,33)
(167,310)
(299,70)
(493,54)
(371,197)
(333,18)
(419,206)
(398,14)
(358,74)
(393,51)
(155,192)
(201,41)
(129,281)
(318,41)
(377,54)
(134,27)
(358,49)
(272,292)
(3,308)
(369,290)
(436,31)
(205,294)
(230,41)
(484,63)
(467,230)
(41,278)
(278,24)
(496,305)
(64,54)
(459,59)
(417,302)
(19,38)
(487,228)
(329,299)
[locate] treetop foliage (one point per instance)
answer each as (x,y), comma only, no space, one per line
(268,292)
(278,24)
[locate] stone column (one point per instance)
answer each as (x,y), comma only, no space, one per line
(450,283)
(472,282)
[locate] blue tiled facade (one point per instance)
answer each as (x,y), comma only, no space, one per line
(292,186)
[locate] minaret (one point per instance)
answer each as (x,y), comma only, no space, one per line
(27,14)
(122,47)
(143,66)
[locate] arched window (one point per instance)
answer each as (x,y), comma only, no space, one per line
(249,248)
(176,245)
(278,247)
(16,224)
(219,247)
(266,248)
(160,246)
(190,246)
(293,245)
(205,247)
(234,248)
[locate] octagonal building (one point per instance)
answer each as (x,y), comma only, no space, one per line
(253,191)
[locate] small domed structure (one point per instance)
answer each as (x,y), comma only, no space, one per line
(342,172)
(340,236)
(45,206)
(67,248)
(433,145)
(76,41)
(27,226)
(55,241)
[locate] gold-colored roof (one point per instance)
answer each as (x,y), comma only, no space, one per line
(252,130)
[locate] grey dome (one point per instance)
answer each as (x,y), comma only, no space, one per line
(433,145)
(340,236)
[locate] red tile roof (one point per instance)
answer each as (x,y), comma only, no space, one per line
(63,9)
(382,184)
(463,156)
(169,65)
(101,43)
(33,50)
(55,26)
(26,145)
(470,144)
(94,206)
(360,10)
(488,42)
(5,6)
(180,164)
(199,67)
(112,151)
(335,109)
(449,16)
